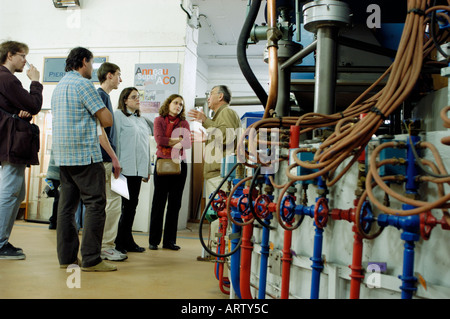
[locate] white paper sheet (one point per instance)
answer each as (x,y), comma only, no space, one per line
(120,186)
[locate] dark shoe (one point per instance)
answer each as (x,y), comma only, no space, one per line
(153,247)
(52,226)
(136,249)
(20,250)
(171,246)
(10,252)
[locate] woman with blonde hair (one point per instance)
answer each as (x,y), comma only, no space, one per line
(172,136)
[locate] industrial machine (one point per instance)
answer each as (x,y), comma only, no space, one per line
(342,192)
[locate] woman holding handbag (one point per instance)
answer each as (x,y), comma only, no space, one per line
(133,151)
(172,136)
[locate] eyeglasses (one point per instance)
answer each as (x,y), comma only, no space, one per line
(22,55)
(134,97)
(215,92)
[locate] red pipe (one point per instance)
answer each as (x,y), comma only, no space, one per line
(362,156)
(294,139)
(246,261)
(286,266)
(223,228)
(356,266)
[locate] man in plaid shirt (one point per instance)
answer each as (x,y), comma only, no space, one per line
(76,109)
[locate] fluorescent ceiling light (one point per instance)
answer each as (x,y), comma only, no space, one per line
(66,3)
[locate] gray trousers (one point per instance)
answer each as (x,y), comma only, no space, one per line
(88,184)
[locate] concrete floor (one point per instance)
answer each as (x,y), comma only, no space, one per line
(160,274)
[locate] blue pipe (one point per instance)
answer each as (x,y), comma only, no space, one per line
(411,233)
(411,229)
(411,168)
(409,224)
(264,259)
(408,286)
(235,259)
(317,264)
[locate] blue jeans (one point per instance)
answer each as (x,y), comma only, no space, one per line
(12,193)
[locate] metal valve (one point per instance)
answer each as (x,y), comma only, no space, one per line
(321,212)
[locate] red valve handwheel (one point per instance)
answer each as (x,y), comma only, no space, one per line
(321,215)
(243,205)
(219,203)
(262,206)
(427,223)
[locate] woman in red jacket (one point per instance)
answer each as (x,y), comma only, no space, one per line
(172,136)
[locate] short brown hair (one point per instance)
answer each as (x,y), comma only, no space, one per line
(12,47)
(106,68)
(164,109)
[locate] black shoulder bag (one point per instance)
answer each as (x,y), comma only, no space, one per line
(23,144)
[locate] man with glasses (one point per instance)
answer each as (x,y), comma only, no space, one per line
(15,100)
(225,120)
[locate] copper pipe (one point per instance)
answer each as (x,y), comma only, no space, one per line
(421,205)
(273,57)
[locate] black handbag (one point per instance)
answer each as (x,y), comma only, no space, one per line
(24,143)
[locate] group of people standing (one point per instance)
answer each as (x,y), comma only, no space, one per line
(92,144)
(118,144)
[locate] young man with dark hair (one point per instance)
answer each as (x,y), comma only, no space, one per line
(109,76)
(76,109)
(14,99)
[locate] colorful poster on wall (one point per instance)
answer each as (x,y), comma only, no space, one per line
(155,83)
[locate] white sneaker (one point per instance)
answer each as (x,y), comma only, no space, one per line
(113,254)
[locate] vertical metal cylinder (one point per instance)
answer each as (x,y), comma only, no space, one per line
(324,95)
(283,102)
(206,109)
(325,17)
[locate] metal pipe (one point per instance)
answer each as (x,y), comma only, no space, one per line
(408,286)
(235,261)
(205,104)
(325,80)
(238,100)
(411,229)
(356,266)
(223,281)
(264,260)
(242,54)
(246,261)
(284,91)
(317,262)
(300,55)
(286,266)
(298,19)
(272,37)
